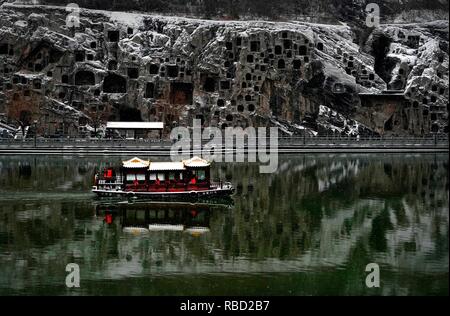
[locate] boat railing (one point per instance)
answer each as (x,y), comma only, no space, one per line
(114,182)
(220,185)
(106,182)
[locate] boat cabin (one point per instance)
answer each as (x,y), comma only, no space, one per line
(134,173)
(146,176)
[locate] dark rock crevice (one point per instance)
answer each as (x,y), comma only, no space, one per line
(383,64)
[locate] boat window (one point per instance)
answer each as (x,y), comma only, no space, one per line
(181,175)
(161,176)
(132,177)
(172,176)
(201,175)
(152,176)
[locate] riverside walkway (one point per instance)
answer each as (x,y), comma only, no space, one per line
(286,145)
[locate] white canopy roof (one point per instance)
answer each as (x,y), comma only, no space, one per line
(196,162)
(166,166)
(136,163)
(135,125)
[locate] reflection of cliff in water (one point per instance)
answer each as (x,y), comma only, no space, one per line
(317,213)
(46,174)
(317,207)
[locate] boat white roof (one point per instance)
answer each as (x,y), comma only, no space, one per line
(136,163)
(135,125)
(196,162)
(166,166)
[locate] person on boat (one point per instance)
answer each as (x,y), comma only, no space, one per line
(194,180)
(136,182)
(108,219)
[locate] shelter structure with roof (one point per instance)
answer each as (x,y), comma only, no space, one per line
(136,130)
(144,175)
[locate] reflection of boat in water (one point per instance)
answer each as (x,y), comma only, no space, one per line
(147,217)
(185,180)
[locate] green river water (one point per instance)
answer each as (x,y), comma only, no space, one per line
(308,229)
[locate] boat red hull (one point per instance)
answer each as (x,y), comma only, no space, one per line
(224,191)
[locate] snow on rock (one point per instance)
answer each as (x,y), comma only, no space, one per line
(131,66)
(330,120)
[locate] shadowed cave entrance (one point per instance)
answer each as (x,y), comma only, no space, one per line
(383,64)
(149,90)
(209,84)
(4,49)
(114,84)
(128,114)
(181,93)
(84,77)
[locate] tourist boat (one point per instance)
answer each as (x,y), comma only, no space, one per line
(187,179)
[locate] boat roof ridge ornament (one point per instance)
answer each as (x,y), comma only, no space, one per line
(136,162)
(196,162)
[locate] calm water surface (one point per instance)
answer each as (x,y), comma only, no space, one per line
(309,229)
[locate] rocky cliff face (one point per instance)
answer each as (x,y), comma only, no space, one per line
(331,11)
(299,76)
